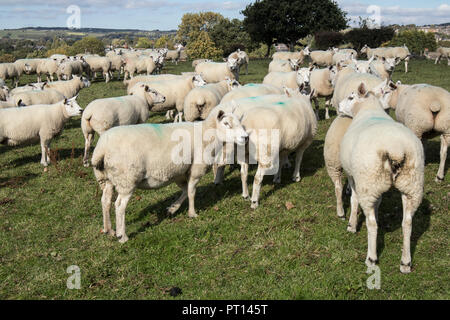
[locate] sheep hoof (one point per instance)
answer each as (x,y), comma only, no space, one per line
(123,239)
(438,179)
(277,180)
(192,215)
(108,232)
(245,196)
(351,229)
(46,169)
(172,209)
(254,205)
(86,164)
(342,217)
(370,262)
(296,179)
(405,267)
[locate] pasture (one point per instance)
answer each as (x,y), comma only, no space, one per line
(292,247)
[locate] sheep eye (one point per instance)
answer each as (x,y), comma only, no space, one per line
(350,98)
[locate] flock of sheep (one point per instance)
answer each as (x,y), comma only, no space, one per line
(363,142)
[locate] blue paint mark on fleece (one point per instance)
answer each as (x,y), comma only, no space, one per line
(156,127)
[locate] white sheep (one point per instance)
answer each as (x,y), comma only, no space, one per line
(370,52)
(398,53)
(103,114)
(242,59)
(152,78)
(320,81)
(299,55)
(331,153)
(322,58)
(443,52)
(251,90)
(67,69)
(98,64)
(213,72)
(69,88)
(376,154)
(175,91)
(8,104)
(198,61)
(59,57)
(144,156)
(290,80)
(143,64)
(424,108)
(383,67)
(4,93)
(174,55)
(284,65)
(278,125)
(201,100)
(37,122)
(33,97)
(28,87)
(10,71)
(47,67)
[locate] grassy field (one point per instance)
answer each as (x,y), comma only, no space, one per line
(50,221)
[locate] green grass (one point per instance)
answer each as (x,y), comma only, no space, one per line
(49,221)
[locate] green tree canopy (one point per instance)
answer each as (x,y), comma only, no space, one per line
(192,24)
(89,44)
(229,35)
(290,20)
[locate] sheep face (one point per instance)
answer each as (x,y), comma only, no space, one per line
(294,64)
(306,51)
(198,81)
(303,76)
(232,84)
(28,68)
(72,107)
(333,74)
(229,128)
(232,64)
(389,63)
(350,105)
(154,95)
(364,49)
(386,92)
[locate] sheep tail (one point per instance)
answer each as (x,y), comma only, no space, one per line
(98,158)
(435,106)
(393,162)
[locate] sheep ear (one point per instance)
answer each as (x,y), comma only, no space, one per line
(146,88)
(286,91)
(311,95)
(220,115)
(19,103)
(362,90)
(392,85)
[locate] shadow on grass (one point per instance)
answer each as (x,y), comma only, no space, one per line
(206,197)
(390,218)
(16,182)
(63,154)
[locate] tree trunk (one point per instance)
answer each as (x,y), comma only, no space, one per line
(292,46)
(269,46)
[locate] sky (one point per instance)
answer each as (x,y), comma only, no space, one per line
(166,15)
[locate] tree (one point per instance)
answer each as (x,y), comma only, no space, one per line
(193,24)
(203,47)
(416,41)
(164,42)
(290,20)
(144,43)
(259,24)
(89,44)
(229,35)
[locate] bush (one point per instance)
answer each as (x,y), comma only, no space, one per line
(144,43)
(88,44)
(61,50)
(260,52)
(165,42)
(203,47)
(372,37)
(328,39)
(416,41)
(7,58)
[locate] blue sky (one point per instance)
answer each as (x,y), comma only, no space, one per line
(165,15)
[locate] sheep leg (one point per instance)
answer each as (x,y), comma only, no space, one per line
(437,60)
(246,69)
(327,105)
(177,204)
(107,195)
(121,205)
(192,186)
(44,148)
(218,173)
(406,66)
(316,104)
(372,229)
(445,141)
(283,159)
(244,177)
(354,208)
(298,161)
(106,74)
(87,145)
(408,212)
(259,176)
(338,187)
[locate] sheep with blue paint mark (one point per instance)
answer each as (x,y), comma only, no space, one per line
(144,156)
(103,114)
